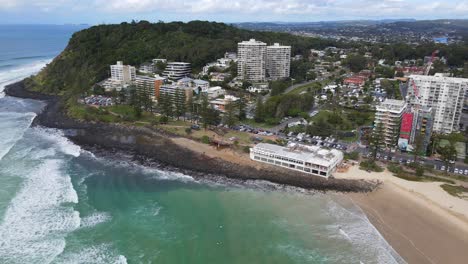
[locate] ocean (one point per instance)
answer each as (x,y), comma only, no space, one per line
(62,204)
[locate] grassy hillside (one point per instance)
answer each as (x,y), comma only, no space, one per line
(89,53)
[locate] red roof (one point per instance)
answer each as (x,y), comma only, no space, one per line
(406,125)
(355,80)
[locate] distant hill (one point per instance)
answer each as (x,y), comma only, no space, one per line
(89,53)
(408,24)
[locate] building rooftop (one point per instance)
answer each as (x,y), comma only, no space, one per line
(277,45)
(439,77)
(392,105)
(252,42)
(312,154)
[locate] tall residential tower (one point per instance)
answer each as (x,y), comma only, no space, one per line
(278,61)
(251,64)
(389,114)
(445,95)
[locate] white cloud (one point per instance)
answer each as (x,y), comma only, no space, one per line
(252,9)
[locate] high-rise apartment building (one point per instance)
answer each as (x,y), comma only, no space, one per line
(123,73)
(251,64)
(389,114)
(278,61)
(177,70)
(422,127)
(445,95)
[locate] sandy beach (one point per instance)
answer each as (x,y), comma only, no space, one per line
(422,222)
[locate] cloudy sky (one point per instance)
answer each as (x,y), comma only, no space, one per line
(112,11)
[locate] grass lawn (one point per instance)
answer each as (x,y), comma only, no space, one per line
(457,191)
(313,86)
(252,123)
(110,114)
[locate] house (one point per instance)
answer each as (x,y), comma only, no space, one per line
(215,92)
(220,104)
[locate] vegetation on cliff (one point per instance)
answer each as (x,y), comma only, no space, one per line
(89,53)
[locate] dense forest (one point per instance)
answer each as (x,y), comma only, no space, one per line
(89,53)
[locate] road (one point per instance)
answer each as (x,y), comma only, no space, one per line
(402,158)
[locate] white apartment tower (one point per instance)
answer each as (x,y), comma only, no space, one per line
(278,61)
(123,73)
(389,114)
(251,65)
(445,95)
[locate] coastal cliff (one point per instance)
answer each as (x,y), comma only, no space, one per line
(149,145)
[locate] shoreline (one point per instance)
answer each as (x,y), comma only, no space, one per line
(418,219)
(396,213)
(154,145)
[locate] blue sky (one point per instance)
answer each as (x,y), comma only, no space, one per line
(114,11)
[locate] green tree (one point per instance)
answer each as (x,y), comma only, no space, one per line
(241,107)
(191,108)
(135,102)
(259,111)
(418,147)
(356,62)
(376,140)
(230,117)
(447,153)
(180,103)
(205,110)
(166,104)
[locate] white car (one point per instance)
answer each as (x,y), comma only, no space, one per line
(466,172)
(456,170)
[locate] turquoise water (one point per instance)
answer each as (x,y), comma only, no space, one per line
(61,204)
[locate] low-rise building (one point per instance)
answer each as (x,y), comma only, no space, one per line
(177,70)
(219,76)
(220,104)
(123,73)
(146,67)
(358,81)
(307,159)
(171,90)
(215,92)
(149,85)
(259,88)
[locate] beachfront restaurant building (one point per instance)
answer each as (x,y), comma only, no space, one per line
(308,159)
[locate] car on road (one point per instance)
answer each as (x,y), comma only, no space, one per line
(455,170)
(466,172)
(442,168)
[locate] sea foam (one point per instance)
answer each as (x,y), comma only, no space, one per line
(13,125)
(36,221)
(18,73)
